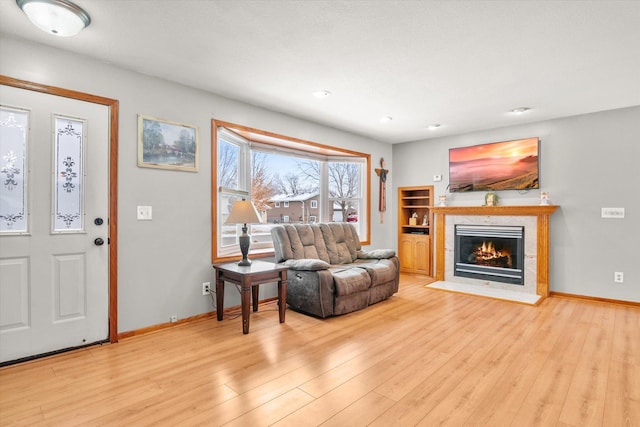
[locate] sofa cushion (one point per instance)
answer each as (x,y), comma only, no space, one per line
(376,254)
(307,264)
(351,239)
(381,271)
(350,280)
(281,244)
(306,241)
(335,239)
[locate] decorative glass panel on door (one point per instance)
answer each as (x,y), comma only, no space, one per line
(14,126)
(69,176)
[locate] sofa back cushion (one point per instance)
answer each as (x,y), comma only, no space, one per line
(340,242)
(298,241)
(335,243)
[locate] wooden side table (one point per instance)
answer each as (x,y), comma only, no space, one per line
(249,278)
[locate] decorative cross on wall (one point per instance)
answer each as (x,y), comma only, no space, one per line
(382,173)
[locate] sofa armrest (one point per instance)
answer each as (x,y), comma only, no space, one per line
(306,264)
(377,254)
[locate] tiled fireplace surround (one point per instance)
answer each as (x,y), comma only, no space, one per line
(535,220)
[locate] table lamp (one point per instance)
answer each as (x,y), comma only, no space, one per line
(243,212)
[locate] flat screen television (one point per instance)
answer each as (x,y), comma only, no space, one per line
(506,165)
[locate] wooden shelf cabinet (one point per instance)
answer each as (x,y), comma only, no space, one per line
(414,239)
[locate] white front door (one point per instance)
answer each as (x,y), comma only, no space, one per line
(54,206)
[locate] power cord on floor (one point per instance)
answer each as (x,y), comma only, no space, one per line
(212,295)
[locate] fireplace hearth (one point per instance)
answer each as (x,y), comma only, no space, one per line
(490,252)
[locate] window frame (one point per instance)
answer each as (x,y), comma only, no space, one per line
(359,200)
(284,143)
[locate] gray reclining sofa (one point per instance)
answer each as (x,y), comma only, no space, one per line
(329,273)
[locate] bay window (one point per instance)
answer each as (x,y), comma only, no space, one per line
(288,180)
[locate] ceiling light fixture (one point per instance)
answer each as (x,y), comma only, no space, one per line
(433,126)
(386,119)
(520,110)
(321,93)
(57,17)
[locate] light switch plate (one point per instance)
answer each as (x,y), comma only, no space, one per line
(145,213)
(437,178)
(612,213)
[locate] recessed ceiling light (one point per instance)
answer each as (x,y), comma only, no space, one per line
(321,93)
(433,126)
(386,119)
(520,110)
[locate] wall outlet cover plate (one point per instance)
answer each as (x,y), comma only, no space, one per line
(145,213)
(612,213)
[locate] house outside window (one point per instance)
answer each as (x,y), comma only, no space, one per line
(297,207)
(285,178)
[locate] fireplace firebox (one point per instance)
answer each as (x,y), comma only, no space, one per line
(489,252)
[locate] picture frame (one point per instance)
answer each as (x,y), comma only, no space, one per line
(495,166)
(491,199)
(164,144)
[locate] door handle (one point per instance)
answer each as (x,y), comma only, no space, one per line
(99,241)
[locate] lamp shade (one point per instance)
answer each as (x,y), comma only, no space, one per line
(243,212)
(58,17)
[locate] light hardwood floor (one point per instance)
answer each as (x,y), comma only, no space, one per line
(424,357)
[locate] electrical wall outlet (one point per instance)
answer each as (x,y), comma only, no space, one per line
(144,213)
(173,318)
(618,277)
(206,288)
(437,178)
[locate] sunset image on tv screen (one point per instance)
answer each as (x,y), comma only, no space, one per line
(508,165)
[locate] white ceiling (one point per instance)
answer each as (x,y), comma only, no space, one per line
(462,64)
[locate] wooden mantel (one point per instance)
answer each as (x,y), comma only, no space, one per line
(525,210)
(542,212)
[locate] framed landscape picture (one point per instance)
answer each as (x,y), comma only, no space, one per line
(495,166)
(164,144)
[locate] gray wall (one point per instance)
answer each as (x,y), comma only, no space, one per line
(587,162)
(162,263)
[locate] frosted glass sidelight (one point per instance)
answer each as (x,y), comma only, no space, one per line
(14,125)
(69,176)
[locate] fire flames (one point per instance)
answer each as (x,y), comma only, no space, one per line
(487,254)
